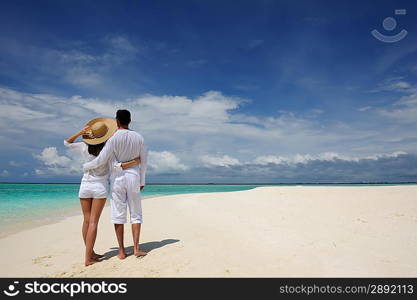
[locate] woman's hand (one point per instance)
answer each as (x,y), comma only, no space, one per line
(131,163)
(85,130)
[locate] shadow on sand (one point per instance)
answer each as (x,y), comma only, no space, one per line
(147,247)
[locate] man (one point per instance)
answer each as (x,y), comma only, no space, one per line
(123,146)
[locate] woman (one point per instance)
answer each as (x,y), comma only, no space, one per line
(94,184)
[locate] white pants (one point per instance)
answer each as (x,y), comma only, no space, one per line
(125,192)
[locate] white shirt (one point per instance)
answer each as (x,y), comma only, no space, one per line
(123,146)
(96,174)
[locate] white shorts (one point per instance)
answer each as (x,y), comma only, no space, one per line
(93,189)
(125,192)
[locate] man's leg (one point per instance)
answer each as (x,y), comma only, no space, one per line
(119,228)
(136,234)
(119,211)
(135,209)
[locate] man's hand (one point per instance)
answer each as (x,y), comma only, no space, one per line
(142,187)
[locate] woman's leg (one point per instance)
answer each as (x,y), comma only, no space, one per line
(96,209)
(86,208)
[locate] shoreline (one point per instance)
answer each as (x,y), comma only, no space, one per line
(262,232)
(51,219)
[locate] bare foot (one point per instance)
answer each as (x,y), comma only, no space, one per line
(95,259)
(122,254)
(139,253)
(90,262)
(97,256)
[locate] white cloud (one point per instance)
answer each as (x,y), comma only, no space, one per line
(55,164)
(365,108)
(4,173)
(86,69)
(23,114)
(50,157)
(394,167)
(269,159)
(405,109)
(295,159)
(164,162)
(121,43)
(219,161)
(83,76)
(326,156)
(397,85)
(16,164)
(86,65)
(71,163)
(209,123)
(186,131)
(385,155)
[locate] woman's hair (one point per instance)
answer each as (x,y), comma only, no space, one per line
(95,149)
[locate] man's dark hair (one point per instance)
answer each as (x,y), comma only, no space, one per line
(123,116)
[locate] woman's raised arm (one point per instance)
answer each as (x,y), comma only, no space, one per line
(83,131)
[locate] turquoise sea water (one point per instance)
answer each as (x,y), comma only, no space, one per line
(25,205)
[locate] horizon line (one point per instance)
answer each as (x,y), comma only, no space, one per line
(263,183)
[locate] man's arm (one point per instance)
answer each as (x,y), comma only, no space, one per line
(102,158)
(143,156)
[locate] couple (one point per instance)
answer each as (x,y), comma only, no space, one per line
(117,154)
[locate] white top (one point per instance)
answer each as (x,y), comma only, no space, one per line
(123,146)
(95,174)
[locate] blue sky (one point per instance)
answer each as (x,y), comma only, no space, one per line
(223,91)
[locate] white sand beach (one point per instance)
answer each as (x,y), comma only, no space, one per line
(265,232)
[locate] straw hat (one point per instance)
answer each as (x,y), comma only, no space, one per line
(101,130)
